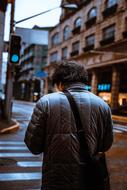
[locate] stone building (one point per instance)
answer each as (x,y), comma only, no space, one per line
(95,34)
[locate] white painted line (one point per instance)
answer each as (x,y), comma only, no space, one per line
(117,131)
(13,148)
(12,142)
(29,164)
(17,155)
(20,176)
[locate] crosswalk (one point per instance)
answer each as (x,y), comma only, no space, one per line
(19,167)
(118,128)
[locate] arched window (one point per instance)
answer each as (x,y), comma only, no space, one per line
(55,39)
(77,22)
(110,3)
(66,32)
(92,13)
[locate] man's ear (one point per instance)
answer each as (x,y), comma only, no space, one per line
(60,86)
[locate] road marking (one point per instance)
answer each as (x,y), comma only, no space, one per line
(12,142)
(13,148)
(117,131)
(17,155)
(20,176)
(29,164)
(119,128)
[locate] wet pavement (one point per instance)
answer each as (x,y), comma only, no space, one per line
(117,161)
(20,170)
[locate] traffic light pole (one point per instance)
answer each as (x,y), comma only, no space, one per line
(9,76)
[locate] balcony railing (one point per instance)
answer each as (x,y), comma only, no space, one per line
(107,41)
(73,53)
(91,22)
(76,30)
(125,34)
(110,11)
(88,48)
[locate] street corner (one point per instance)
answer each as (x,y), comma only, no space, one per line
(10,129)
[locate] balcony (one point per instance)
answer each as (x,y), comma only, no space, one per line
(110,11)
(107,41)
(88,48)
(73,53)
(91,22)
(125,34)
(76,30)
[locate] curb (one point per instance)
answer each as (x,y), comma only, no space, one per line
(119,119)
(10,129)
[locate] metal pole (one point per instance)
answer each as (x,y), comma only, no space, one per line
(9,77)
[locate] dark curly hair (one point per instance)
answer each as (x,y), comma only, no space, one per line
(68,72)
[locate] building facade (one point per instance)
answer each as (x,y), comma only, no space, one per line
(96,35)
(29,74)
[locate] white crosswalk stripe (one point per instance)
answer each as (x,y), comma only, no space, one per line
(20,176)
(117,128)
(27,168)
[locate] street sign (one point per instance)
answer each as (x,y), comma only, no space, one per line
(41,74)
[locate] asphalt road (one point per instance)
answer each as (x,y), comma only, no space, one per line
(20,170)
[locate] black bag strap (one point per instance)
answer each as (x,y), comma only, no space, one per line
(74,109)
(79,126)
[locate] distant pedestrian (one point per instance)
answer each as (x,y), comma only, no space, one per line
(53,131)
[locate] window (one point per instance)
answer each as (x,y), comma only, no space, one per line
(90,40)
(110,3)
(92,13)
(54,57)
(64,52)
(66,32)
(77,22)
(75,46)
(55,39)
(109,32)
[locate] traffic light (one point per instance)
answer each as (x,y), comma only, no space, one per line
(15,46)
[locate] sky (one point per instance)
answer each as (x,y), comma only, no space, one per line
(27,8)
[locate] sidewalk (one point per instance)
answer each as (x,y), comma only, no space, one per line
(8,127)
